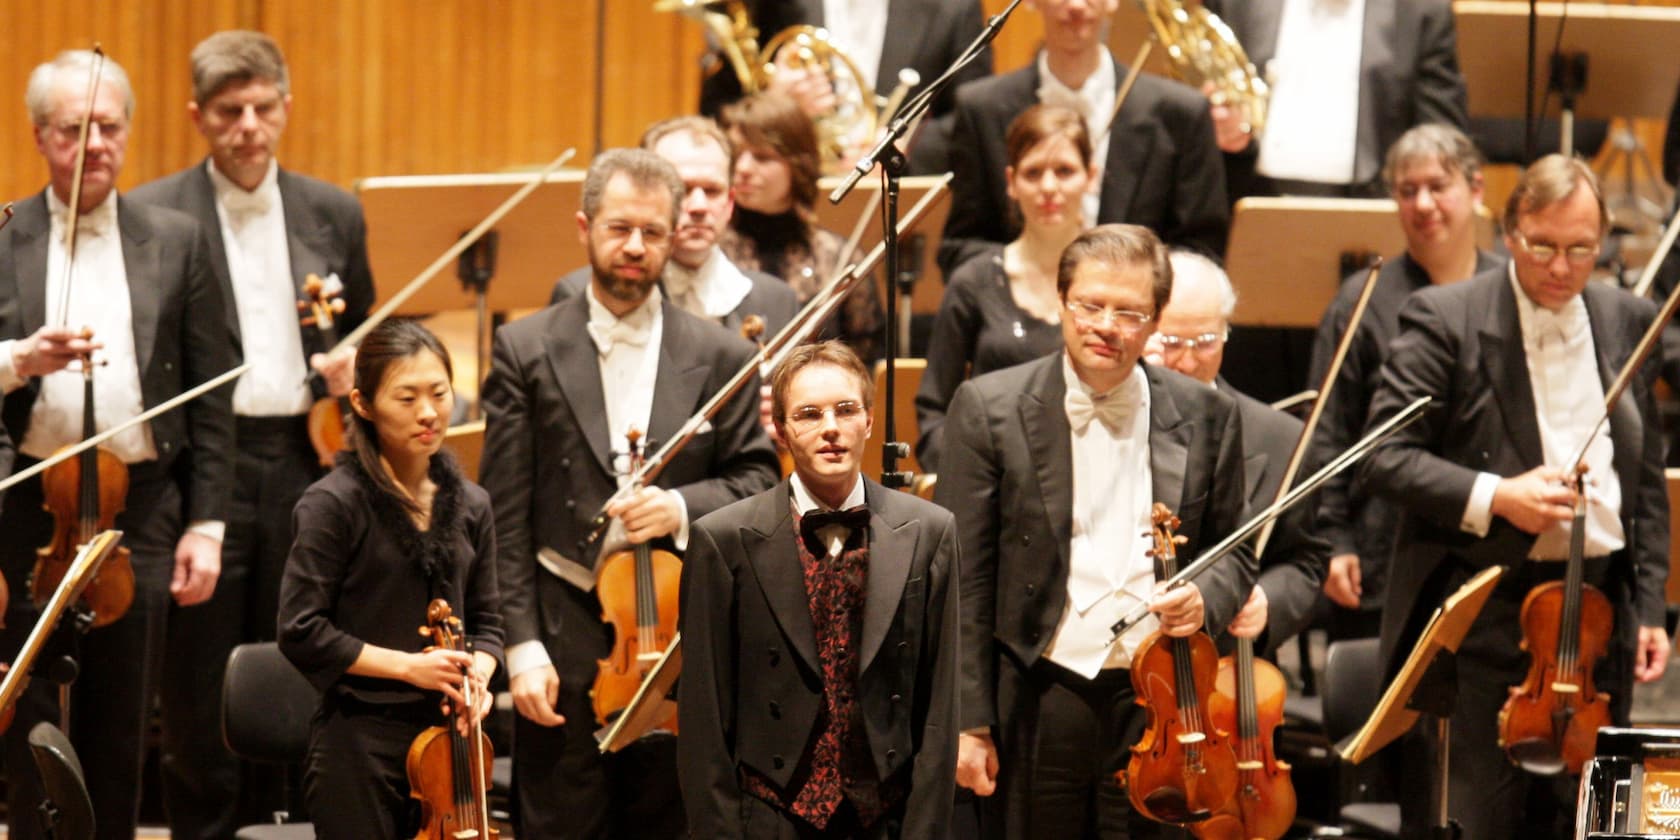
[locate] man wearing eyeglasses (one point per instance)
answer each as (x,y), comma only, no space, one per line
(1190,339)
(1518,361)
(819,623)
(566,386)
(1051,468)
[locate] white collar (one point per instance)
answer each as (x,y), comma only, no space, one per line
(639,318)
(804,502)
(227,192)
(1132,389)
(98,221)
(1532,316)
(717,286)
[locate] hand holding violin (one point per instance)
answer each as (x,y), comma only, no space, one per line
(337,369)
(1179,609)
(51,349)
(1251,619)
(648,514)
(1535,500)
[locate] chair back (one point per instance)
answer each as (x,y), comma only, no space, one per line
(1352,686)
(266,705)
(68,812)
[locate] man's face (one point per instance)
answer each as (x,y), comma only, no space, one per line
(1190,335)
(825,426)
(107,139)
(1552,280)
(1107,317)
(629,239)
(1437,205)
(243,122)
(1074,24)
(707,203)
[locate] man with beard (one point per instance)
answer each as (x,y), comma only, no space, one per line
(565,386)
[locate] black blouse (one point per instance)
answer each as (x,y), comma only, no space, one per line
(980,328)
(358,574)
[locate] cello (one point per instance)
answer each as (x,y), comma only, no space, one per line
(448,770)
(1182,770)
(638,591)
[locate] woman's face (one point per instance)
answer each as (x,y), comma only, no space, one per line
(1049,183)
(763,179)
(411,408)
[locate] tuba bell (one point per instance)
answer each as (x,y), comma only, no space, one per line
(844,129)
(1203,50)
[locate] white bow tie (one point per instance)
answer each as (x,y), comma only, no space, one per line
(1564,326)
(92,223)
(243,205)
(624,331)
(1113,410)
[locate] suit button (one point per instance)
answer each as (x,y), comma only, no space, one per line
(1033,637)
(903,645)
(565,463)
(168,365)
(895,698)
(775,657)
(571,504)
(892,756)
(166,446)
(1026,539)
(776,762)
(1031,588)
(775,711)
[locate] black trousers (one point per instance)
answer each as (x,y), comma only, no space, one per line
(207,791)
(356,779)
(1062,740)
(118,663)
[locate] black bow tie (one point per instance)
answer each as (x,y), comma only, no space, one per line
(811,525)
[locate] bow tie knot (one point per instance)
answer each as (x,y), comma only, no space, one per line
(1113,410)
(240,204)
(94,223)
(812,524)
(623,331)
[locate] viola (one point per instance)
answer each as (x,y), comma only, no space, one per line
(1550,723)
(1248,700)
(448,771)
(327,415)
(638,592)
(1182,770)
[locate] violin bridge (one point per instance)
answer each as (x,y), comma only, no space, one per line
(1566,688)
(1191,737)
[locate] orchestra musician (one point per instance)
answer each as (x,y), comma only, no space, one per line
(394,526)
(1051,468)
(268,229)
(1434,174)
(1160,165)
(142,282)
(1518,360)
(852,731)
(1190,338)
(565,386)
(699,277)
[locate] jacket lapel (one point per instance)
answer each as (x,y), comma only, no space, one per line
(892,546)
(679,383)
(1626,427)
(1378,45)
(1130,144)
(1505,365)
(768,540)
(198,199)
(306,235)
(572,354)
(142,262)
(908,23)
(1050,444)
(1169,444)
(31,231)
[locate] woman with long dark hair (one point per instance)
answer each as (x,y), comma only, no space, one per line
(392,527)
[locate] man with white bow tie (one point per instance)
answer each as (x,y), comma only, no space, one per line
(565,385)
(140,281)
(1518,360)
(1053,467)
(268,229)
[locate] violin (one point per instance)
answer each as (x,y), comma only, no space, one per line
(449,772)
(1248,700)
(85,494)
(1182,770)
(1550,723)
(328,415)
(638,592)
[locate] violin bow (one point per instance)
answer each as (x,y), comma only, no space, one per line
(75,209)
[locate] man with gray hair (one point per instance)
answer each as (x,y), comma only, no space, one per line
(133,300)
(268,229)
(567,386)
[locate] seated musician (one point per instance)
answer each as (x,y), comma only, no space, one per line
(867,746)
(566,385)
(1000,306)
(394,526)
(1190,338)
(774,229)
(1518,360)
(698,277)
(1051,468)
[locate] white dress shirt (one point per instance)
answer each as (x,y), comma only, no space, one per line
(859,28)
(1109,570)
(1568,402)
(1312,123)
(711,291)
(1094,100)
(260,265)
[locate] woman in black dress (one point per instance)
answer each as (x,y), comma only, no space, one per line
(1000,306)
(393,526)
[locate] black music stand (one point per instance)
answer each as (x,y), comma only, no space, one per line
(1427,685)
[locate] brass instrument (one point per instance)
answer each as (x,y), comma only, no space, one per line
(1204,50)
(842,131)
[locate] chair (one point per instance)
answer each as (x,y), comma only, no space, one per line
(266,708)
(67,812)
(1353,683)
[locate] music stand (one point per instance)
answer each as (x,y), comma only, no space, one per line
(1291,287)
(67,811)
(1427,684)
(651,704)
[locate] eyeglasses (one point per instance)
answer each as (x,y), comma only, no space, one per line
(1201,345)
(1092,315)
(71,132)
(808,417)
(1545,253)
(621,231)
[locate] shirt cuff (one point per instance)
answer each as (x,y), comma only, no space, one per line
(208,528)
(9,379)
(680,538)
(526,656)
(1478,511)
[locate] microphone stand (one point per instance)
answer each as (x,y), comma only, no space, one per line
(892,162)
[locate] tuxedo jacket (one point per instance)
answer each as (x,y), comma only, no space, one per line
(1007,474)
(1408,73)
(771,299)
(325,235)
(1163,169)
(547,462)
(751,689)
(1293,566)
(170,287)
(1462,346)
